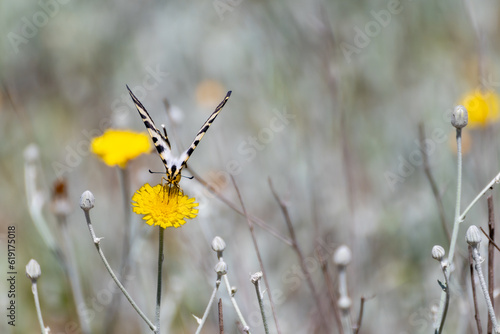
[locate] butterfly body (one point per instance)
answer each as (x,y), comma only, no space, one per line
(173,165)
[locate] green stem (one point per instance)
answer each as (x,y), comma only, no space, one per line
(158,287)
(113,276)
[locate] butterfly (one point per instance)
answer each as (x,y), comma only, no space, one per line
(172,164)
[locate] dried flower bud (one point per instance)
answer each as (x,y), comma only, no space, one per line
(473,236)
(33,270)
(221,268)
(438,253)
(218,244)
(342,256)
(459,117)
(87,200)
(256,277)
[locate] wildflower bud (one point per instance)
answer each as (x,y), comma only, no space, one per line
(344,303)
(459,117)
(218,244)
(256,277)
(342,256)
(221,268)
(438,253)
(33,270)
(233,291)
(87,200)
(473,236)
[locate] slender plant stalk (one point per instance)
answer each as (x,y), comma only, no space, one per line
(491,256)
(360,315)
(331,292)
(259,222)
(298,251)
(158,286)
(209,306)
(256,282)
(113,276)
(109,319)
(235,305)
(346,318)
(259,257)
(484,288)
(457,220)
(221,318)
(474,297)
(73,276)
(37,306)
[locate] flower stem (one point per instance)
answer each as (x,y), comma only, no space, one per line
(113,276)
(261,303)
(161,231)
(458,219)
(443,307)
(73,275)
(210,302)
(37,306)
(482,281)
(246,329)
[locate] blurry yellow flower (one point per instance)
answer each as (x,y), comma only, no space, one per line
(163,207)
(117,147)
(209,93)
(483,108)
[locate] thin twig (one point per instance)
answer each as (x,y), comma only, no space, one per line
(474,298)
(491,241)
(261,263)
(209,305)
(110,318)
(331,291)
(360,315)
(491,257)
(233,206)
(230,292)
(296,248)
(432,182)
(97,244)
(221,318)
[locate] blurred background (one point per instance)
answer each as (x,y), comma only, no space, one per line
(327,101)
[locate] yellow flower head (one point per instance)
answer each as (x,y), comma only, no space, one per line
(117,147)
(483,108)
(163,207)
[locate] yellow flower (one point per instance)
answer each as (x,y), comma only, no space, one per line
(117,147)
(483,108)
(163,207)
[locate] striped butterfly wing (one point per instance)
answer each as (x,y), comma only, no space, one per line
(159,140)
(187,153)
